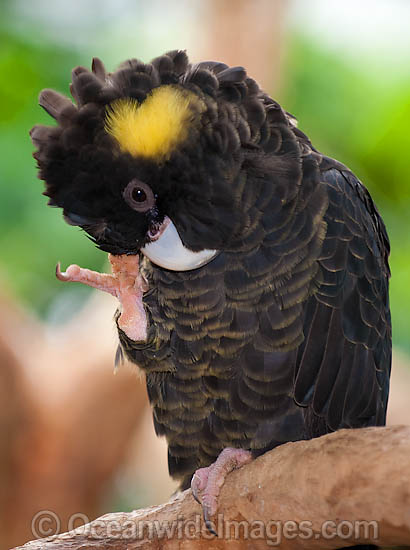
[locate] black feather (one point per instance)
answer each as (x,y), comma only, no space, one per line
(286,333)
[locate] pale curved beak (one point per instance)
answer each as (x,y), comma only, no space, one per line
(168,251)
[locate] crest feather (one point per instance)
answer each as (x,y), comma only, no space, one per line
(156,126)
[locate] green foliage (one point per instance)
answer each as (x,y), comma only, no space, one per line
(353,113)
(32,237)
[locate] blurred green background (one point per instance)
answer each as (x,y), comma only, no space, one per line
(353,102)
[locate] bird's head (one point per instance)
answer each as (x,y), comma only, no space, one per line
(151,157)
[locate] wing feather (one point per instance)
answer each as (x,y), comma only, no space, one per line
(344,367)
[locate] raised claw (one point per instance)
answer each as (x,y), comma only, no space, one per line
(125,283)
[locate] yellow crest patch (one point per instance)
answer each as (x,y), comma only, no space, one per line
(156,126)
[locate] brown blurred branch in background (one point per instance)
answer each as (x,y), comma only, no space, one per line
(336,478)
(250,34)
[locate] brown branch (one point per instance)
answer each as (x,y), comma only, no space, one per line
(343,477)
(228,35)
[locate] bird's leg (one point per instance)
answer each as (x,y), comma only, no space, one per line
(125,282)
(207,482)
(131,287)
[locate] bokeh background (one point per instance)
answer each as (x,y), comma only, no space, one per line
(75,439)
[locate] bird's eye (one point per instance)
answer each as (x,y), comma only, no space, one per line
(139,196)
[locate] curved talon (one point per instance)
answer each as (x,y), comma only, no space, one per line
(73,273)
(198,482)
(209,524)
(200,479)
(59,275)
(196,497)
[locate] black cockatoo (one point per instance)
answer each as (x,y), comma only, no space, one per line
(252,270)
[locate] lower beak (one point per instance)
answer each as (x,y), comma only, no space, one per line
(167,250)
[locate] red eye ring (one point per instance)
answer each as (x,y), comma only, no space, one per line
(139,196)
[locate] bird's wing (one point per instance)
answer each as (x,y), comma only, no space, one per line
(343,365)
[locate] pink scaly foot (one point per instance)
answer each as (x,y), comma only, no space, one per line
(125,282)
(207,482)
